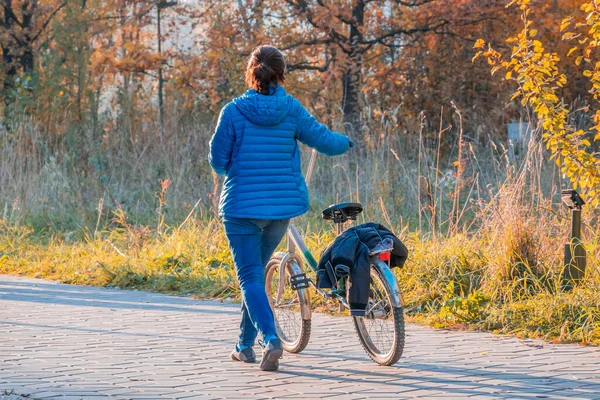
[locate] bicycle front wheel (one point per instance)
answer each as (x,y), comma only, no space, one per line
(293,330)
(381,330)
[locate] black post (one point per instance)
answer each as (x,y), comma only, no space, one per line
(575,256)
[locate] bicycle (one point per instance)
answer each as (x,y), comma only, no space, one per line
(380,331)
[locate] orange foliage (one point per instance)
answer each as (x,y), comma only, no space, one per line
(399,57)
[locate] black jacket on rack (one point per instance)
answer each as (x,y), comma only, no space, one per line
(350,252)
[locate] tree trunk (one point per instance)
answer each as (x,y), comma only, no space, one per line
(10,73)
(351,99)
(351,78)
(26,61)
(10,70)
(26,51)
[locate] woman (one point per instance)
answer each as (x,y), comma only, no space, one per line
(255,146)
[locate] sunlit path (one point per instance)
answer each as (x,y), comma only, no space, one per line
(87,342)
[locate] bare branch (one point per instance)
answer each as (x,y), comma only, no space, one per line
(9,13)
(337,38)
(306,43)
(340,16)
(403,32)
(50,17)
(309,67)
(413,3)
(285,16)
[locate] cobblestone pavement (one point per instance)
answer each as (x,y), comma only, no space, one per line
(89,343)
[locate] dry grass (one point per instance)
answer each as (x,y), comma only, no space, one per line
(486,234)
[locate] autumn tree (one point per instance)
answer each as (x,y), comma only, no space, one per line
(351,49)
(23,24)
(539,78)
(347,32)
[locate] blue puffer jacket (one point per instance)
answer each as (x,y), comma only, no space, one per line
(255,145)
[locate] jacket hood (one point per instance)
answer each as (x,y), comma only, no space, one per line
(264,109)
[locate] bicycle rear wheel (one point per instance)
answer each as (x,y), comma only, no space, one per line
(293,330)
(381,330)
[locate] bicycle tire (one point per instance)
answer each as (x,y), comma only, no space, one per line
(294,340)
(395,317)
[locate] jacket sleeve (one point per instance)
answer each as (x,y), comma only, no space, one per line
(221,144)
(344,250)
(316,135)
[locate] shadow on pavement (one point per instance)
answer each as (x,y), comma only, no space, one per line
(403,375)
(119,331)
(48,293)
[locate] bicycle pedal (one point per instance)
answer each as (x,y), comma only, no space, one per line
(299,281)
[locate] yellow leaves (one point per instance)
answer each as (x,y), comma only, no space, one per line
(562,80)
(573,50)
(521,3)
(528,86)
(539,77)
(565,23)
(551,98)
(542,110)
(587,7)
(570,36)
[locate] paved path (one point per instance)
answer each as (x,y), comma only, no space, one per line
(90,343)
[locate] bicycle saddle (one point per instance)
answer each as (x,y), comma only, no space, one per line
(342,212)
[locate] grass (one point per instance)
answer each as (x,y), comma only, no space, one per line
(485,232)
(461,281)
(193,260)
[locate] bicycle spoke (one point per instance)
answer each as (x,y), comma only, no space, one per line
(379,330)
(288,317)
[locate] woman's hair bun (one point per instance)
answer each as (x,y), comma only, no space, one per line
(266,67)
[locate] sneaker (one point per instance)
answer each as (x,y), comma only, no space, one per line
(271,354)
(246,355)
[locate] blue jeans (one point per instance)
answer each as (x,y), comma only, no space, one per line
(252,242)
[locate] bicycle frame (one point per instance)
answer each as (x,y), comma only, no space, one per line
(297,252)
(296,245)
